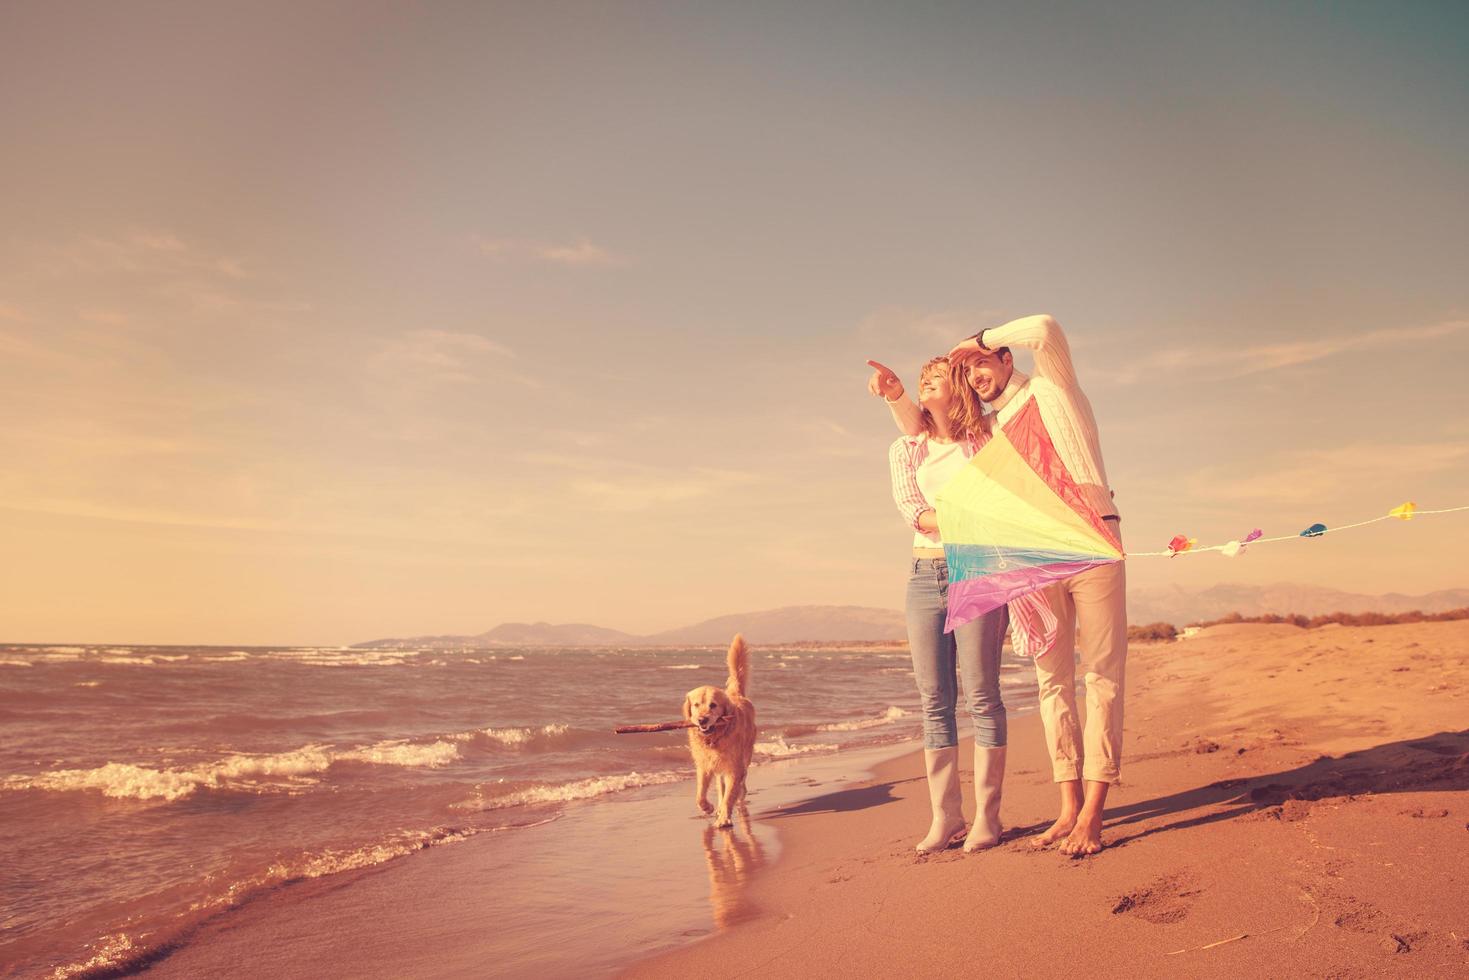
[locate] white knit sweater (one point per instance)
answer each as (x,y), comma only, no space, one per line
(1064,408)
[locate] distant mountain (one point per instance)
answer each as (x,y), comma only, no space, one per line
(836,624)
(545,634)
(517,635)
(1172,604)
(793,624)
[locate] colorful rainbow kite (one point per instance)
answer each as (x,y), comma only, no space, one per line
(1013,521)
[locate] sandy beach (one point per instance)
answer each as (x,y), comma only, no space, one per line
(1294,804)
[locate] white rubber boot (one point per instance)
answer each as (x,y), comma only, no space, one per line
(943,794)
(989,778)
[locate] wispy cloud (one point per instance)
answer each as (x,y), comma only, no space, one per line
(636,495)
(646,488)
(561,461)
(27,348)
(143,279)
(84,439)
(437,355)
(581,253)
(831,438)
(934,329)
(106,318)
(138,253)
(826,428)
(1320,474)
(106,511)
(1216,363)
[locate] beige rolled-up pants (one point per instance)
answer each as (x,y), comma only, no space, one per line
(1095,601)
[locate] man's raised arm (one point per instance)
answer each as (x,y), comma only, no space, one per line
(1039,333)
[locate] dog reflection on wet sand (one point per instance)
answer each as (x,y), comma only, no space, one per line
(733,856)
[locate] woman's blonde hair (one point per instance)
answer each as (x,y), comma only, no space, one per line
(967,417)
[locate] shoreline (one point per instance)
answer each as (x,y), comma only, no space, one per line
(217,802)
(1294,801)
(508,896)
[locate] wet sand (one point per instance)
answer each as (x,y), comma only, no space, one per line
(1295,803)
(583,893)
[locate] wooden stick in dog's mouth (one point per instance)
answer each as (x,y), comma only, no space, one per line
(662,726)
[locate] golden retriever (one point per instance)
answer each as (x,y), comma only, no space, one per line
(723,738)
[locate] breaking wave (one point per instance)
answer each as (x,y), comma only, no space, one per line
(861,724)
(254,773)
(779,748)
(431,756)
(581,789)
(315,657)
(514,737)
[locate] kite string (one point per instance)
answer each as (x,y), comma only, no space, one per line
(1288,537)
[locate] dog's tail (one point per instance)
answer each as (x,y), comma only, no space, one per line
(739,668)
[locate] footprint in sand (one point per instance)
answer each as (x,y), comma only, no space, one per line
(1288,812)
(1424,814)
(1366,919)
(1164,900)
(1360,917)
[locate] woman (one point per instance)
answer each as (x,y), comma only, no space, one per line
(954,428)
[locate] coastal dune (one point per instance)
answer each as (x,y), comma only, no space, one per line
(1294,804)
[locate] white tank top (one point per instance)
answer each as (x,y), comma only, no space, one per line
(942,464)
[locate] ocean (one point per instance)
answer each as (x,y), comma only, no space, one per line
(144,790)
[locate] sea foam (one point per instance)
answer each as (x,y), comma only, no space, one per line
(433,756)
(514,737)
(779,748)
(581,789)
(886,718)
(108,953)
(254,773)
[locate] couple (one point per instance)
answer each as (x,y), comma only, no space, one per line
(941,431)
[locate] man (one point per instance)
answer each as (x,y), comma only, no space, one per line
(1095,600)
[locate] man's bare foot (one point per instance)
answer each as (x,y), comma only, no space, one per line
(1057,831)
(1086,837)
(1071,802)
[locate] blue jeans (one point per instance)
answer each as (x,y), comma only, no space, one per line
(973,647)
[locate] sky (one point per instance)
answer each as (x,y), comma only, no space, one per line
(323,322)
